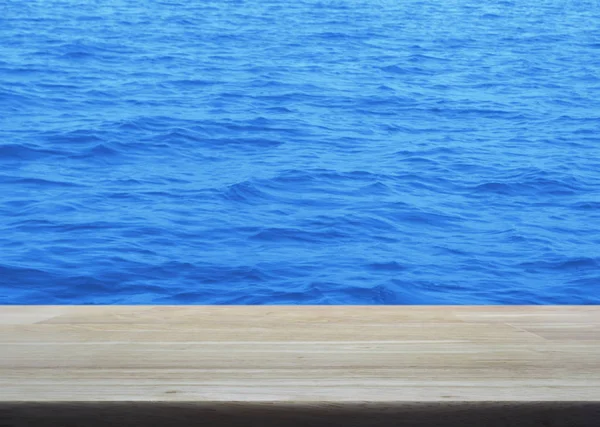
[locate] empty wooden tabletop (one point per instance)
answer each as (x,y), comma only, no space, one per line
(295,354)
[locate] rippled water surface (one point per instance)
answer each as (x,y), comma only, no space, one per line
(303,152)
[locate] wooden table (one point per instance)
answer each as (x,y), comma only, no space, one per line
(300,365)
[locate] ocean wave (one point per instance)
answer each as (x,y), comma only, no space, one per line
(327,152)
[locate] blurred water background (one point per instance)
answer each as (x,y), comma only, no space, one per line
(300,152)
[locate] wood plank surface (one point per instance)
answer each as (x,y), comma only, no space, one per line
(295,354)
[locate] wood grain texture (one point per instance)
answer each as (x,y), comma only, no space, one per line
(300,354)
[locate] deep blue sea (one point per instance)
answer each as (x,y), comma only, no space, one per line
(300,152)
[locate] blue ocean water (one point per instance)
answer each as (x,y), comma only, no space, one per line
(305,152)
